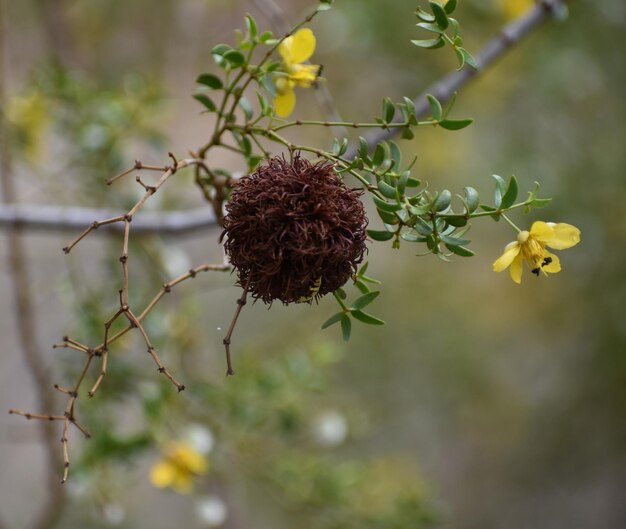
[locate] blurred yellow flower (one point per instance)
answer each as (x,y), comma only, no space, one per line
(178,467)
(513,8)
(29,114)
(294,50)
(530,246)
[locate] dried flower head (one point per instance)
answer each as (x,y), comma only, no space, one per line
(294,231)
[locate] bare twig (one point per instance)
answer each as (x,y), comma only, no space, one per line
(124,309)
(102,350)
(241,302)
(508,37)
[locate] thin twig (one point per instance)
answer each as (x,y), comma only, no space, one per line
(227,339)
(102,350)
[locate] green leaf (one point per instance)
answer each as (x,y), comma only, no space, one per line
(410,105)
(220,49)
(413,182)
(471,199)
(424,15)
(468,57)
(251,25)
(346,326)
(441,18)
(246,146)
(363,148)
(433,28)
(499,191)
(442,201)
(366,318)
(508,199)
(340,148)
(246,107)
(429,44)
(396,154)
(387,218)
(235,58)
(324,5)
(253,161)
(266,108)
(386,206)
(450,105)
(389,110)
(495,216)
(460,57)
(265,37)
(455,124)
(363,288)
(364,301)
(435,106)
(210,80)
(380,235)
(206,101)
(422,227)
(332,320)
(267,83)
(458,221)
(379,154)
(387,190)
(456,30)
(449,6)
(412,237)
(363,268)
(540,202)
(460,250)
(454,241)
(407,134)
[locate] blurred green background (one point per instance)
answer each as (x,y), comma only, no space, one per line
(481,404)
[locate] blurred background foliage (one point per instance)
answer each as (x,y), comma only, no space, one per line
(481,403)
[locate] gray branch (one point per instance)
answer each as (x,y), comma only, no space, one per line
(55,218)
(509,36)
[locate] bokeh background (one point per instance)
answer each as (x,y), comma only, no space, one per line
(481,403)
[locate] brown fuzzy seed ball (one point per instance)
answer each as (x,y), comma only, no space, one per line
(294,232)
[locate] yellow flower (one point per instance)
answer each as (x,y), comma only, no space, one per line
(31,117)
(530,246)
(514,8)
(178,467)
(294,50)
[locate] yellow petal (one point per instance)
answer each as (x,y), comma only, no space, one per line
(183,484)
(304,74)
(516,269)
(303,45)
(510,252)
(564,236)
(284,103)
(194,462)
(554,266)
(542,231)
(284,48)
(162,474)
